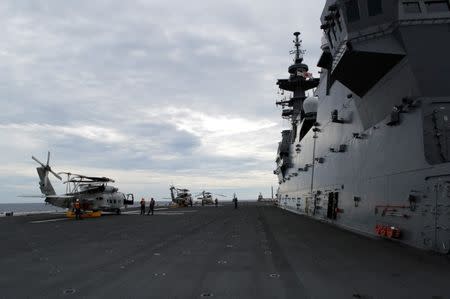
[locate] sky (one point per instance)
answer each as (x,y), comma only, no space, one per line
(150,93)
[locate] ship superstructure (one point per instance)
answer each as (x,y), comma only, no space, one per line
(369,150)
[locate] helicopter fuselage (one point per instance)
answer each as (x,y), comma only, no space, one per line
(98,201)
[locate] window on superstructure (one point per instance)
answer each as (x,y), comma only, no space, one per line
(374,7)
(411,7)
(352,10)
(437,6)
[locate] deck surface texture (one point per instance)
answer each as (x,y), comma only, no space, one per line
(256,251)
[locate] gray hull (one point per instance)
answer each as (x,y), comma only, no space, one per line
(380,163)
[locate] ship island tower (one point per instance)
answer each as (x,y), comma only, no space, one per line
(299,81)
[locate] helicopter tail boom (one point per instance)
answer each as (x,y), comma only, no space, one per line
(44,182)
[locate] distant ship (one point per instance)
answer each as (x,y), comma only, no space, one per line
(369,149)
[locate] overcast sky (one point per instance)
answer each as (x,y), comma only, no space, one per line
(149,93)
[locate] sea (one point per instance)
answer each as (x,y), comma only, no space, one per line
(24,208)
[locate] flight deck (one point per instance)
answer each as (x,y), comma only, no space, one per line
(256,251)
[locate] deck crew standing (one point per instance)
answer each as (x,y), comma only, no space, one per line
(235,201)
(77,206)
(151,206)
(216,202)
(142,206)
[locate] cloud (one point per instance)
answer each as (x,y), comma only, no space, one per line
(105,135)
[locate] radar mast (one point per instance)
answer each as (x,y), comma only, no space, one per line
(298,51)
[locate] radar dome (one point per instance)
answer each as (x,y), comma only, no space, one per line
(310,106)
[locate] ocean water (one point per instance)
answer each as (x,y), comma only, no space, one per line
(21,208)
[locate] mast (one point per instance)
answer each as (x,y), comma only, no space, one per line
(298,51)
(298,83)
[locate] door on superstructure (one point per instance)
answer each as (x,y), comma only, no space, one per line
(330,205)
(437,226)
(333,199)
(335,204)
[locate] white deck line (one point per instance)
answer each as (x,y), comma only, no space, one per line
(49,220)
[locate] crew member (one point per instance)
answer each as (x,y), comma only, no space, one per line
(142,206)
(235,201)
(151,206)
(77,209)
(216,202)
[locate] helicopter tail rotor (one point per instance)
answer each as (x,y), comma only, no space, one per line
(44,183)
(47,166)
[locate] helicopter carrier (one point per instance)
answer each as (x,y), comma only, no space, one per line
(368,149)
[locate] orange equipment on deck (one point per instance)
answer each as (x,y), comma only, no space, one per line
(85,214)
(387,231)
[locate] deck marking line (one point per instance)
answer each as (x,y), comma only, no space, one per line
(49,220)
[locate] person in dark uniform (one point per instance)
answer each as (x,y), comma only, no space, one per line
(151,206)
(216,202)
(77,206)
(142,206)
(235,201)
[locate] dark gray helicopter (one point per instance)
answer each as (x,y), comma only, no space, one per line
(93,193)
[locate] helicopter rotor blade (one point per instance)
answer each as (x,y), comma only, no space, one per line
(56,175)
(35,159)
